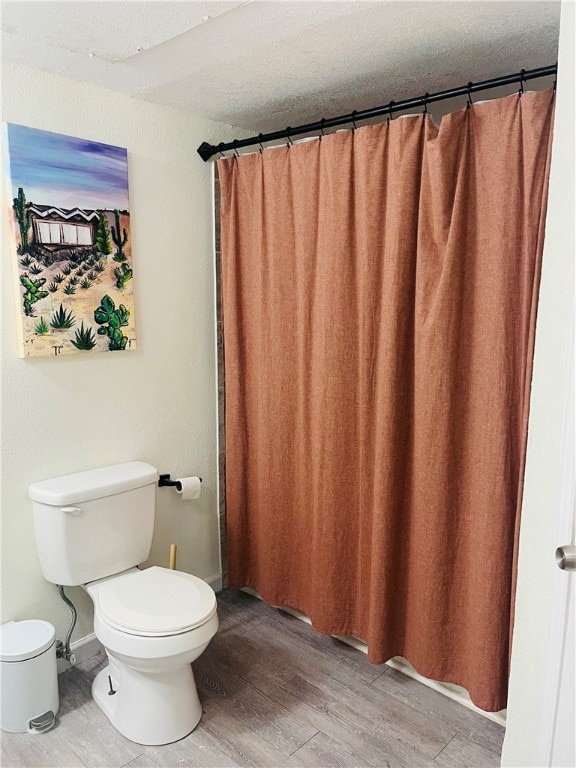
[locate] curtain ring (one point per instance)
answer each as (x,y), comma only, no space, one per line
(260,137)
(236,154)
(322,128)
(290,142)
(354,113)
(390,111)
(521,89)
(470,102)
(425,102)
(220,150)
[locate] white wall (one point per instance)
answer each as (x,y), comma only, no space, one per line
(529,706)
(155,404)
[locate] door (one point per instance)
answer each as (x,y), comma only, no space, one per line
(540,719)
(558,747)
(563,747)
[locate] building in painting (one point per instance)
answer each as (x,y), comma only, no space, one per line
(56,232)
(62,226)
(64,233)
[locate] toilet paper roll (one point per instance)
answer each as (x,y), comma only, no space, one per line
(189,487)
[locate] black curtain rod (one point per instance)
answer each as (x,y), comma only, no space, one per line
(206,150)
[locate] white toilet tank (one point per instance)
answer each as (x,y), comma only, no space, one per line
(94,524)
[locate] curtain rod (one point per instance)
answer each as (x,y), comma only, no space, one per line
(206,150)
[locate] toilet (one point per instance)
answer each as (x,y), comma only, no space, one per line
(92,530)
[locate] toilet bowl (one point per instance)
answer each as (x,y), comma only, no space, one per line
(153,623)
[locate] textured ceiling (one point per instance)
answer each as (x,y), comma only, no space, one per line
(264,65)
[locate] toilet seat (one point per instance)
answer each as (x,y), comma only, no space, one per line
(156,602)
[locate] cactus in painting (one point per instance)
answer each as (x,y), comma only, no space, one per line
(110,321)
(103,244)
(122,275)
(24,219)
(32,293)
(62,319)
(84,338)
(119,240)
(36,269)
(42,327)
(70,289)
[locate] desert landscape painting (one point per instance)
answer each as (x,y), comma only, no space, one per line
(72,245)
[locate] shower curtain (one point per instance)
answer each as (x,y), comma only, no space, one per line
(379,296)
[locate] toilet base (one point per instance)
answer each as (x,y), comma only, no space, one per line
(148,708)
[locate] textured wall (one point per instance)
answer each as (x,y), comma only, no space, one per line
(156,404)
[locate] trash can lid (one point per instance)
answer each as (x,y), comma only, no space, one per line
(21,640)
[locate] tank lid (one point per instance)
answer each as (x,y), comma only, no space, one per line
(93,484)
(22,640)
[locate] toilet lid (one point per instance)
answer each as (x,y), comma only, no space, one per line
(156,601)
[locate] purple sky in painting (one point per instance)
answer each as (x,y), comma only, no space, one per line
(65,171)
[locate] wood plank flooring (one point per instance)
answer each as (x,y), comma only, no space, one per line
(275,694)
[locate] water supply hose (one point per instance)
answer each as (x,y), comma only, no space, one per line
(63,649)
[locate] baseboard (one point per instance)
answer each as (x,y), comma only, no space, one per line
(83,649)
(86,647)
(454,692)
(215,582)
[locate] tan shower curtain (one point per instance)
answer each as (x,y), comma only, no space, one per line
(379,303)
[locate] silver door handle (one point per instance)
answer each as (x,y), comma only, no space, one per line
(566,557)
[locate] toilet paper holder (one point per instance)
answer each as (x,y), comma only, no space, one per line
(164,481)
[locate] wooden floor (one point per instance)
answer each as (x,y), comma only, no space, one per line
(275,693)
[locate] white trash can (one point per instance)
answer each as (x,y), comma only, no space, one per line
(28,676)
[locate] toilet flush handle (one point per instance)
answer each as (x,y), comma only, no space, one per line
(71,510)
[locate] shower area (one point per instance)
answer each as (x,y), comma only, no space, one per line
(376,295)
